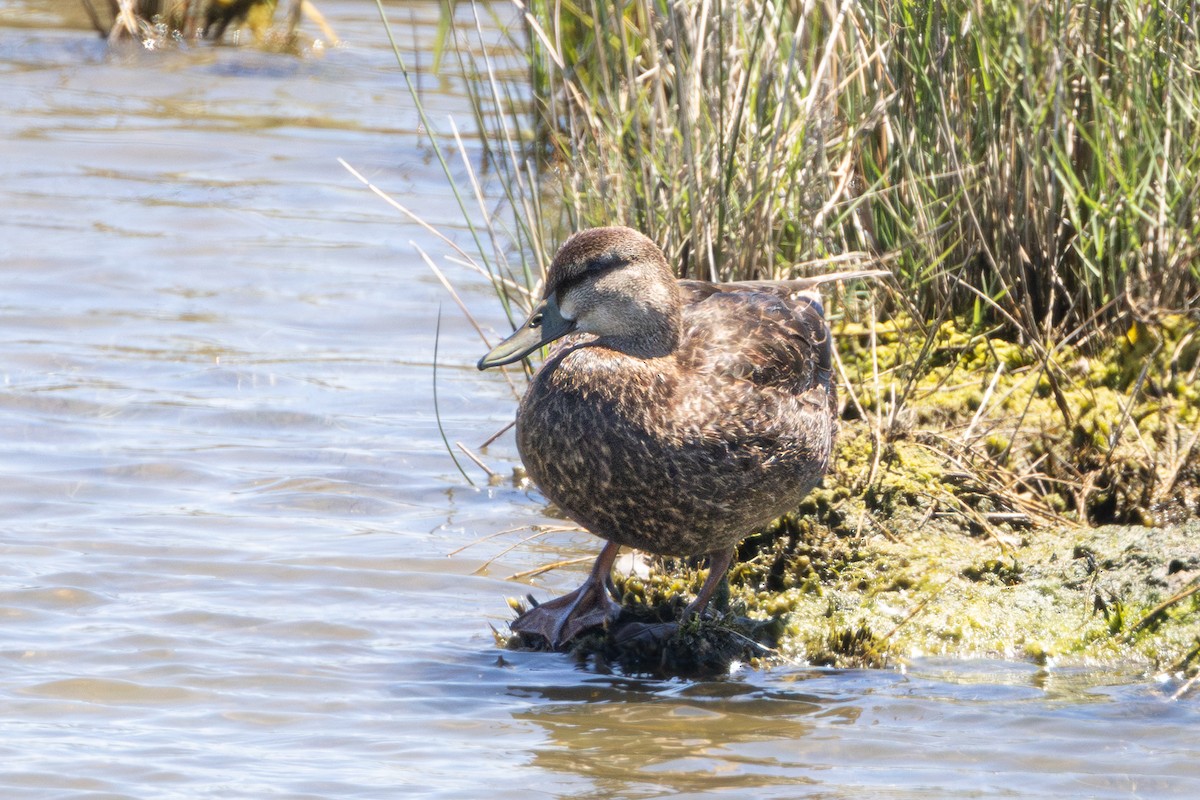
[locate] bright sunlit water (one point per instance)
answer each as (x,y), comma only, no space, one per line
(227,518)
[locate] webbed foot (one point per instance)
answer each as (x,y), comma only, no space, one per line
(563,618)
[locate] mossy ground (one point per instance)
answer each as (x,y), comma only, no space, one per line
(961,520)
(1065,595)
(992,430)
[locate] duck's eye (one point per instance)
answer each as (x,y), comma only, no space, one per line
(535,321)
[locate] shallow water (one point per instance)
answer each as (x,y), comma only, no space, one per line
(228,516)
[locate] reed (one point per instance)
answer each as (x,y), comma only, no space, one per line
(1031,165)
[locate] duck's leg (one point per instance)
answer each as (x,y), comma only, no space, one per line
(718,565)
(561,619)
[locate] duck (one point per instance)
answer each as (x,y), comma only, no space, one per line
(672,416)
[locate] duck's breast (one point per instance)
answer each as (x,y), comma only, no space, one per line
(687,454)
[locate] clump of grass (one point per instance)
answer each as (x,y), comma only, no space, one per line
(707,127)
(1055,143)
(1032,166)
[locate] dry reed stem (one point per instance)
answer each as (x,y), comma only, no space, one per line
(1162,607)
(475,458)
(531,573)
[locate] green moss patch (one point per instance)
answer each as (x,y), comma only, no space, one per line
(1103,433)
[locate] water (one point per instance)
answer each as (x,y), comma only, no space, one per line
(227,515)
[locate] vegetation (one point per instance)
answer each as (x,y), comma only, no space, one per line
(155,23)
(1032,165)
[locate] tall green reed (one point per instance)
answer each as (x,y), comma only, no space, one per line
(1033,165)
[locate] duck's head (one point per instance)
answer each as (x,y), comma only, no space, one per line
(613,283)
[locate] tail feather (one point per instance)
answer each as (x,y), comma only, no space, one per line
(806,286)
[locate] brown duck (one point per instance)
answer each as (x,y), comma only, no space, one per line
(677,416)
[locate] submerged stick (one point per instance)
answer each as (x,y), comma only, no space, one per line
(478,461)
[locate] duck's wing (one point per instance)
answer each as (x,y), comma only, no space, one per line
(771,335)
(770,332)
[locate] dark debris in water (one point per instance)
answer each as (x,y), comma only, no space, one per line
(651,641)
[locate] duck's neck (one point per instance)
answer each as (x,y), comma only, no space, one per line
(656,339)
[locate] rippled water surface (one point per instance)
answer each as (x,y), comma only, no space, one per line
(230,534)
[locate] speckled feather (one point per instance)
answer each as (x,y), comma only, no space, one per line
(686,451)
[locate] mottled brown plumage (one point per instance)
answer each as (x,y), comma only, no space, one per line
(675,416)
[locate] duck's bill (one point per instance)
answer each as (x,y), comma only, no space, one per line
(544,325)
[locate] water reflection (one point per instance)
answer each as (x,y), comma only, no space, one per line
(853,734)
(633,741)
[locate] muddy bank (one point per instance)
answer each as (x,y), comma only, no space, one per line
(1067,596)
(1114,594)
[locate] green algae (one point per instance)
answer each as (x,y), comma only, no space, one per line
(1102,433)
(808,594)
(1069,596)
(1065,596)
